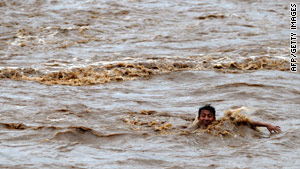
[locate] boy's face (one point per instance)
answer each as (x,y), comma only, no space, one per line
(206,118)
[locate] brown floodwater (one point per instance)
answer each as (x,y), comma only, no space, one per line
(104,84)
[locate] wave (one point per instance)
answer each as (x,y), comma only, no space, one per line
(94,75)
(123,71)
(259,63)
(86,135)
(18,126)
(80,134)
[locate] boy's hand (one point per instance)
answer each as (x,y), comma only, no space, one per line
(273,129)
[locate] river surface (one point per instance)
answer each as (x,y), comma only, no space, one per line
(116,84)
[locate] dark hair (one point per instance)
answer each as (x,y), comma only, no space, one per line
(209,108)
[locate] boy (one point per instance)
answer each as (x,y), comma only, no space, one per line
(207,115)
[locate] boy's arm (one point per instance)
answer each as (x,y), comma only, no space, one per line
(271,128)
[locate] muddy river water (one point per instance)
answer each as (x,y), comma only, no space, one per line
(116,84)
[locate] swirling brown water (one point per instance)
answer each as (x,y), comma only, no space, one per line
(102,84)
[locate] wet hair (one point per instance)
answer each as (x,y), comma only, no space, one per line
(209,108)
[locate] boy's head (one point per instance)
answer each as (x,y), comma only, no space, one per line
(206,115)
